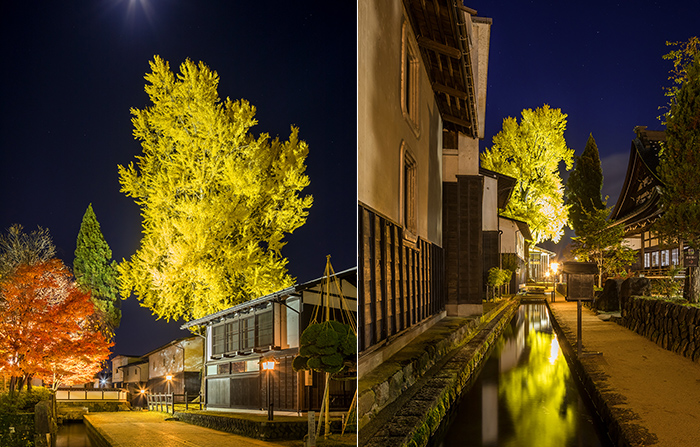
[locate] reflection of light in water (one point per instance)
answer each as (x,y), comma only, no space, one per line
(554,351)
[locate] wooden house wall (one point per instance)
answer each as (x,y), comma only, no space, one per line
(399,284)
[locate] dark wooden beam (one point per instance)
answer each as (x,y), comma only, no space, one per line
(458,121)
(439,47)
(467,10)
(440,88)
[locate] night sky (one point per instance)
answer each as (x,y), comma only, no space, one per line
(600,62)
(73,69)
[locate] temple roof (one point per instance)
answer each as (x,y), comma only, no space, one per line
(638,203)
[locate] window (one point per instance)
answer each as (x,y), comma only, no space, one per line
(664,258)
(650,239)
(217,340)
(232,336)
(409,78)
(647,260)
(674,257)
(655,259)
(265,333)
(248,333)
(409,190)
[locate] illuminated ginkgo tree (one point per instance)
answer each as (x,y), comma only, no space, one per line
(531,151)
(216,201)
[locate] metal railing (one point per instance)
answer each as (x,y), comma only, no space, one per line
(165,402)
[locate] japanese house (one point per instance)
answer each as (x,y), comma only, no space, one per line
(428,220)
(241,338)
(638,207)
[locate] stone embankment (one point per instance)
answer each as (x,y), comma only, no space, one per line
(672,326)
(417,411)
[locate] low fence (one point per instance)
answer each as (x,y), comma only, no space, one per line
(166,401)
(91,394)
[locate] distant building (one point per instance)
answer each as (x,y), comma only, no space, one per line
(240,338)
(118,363)
(539,265)
(514,237)
(180,359)
(638,207)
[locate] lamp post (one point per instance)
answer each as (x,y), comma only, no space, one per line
(554,266)
(268,366)
(169,378)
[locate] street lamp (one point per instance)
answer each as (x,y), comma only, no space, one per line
(269,365)
(554,266)
(169,378)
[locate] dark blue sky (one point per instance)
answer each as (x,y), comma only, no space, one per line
(600,62)
(72,70)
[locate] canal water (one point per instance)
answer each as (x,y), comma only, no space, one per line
(72,434)
(524,395)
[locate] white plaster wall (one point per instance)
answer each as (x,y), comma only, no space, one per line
(508,242)
(490,204)
(382,127)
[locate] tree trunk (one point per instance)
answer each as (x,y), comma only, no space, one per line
(29,383)
(694,289)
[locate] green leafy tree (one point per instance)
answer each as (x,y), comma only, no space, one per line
(598,242)
(584,186)
(680,156)
(530,151)
(216,201)
(95,271)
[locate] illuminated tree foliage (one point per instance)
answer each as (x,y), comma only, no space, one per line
(530,151)
(680,157)
(541,386)
(48,328)
(95,271)
(584,186)
(216,201)
(17,248)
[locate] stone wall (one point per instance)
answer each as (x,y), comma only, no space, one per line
(252,429)
(672,326)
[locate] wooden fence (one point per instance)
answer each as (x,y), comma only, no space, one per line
(166,401)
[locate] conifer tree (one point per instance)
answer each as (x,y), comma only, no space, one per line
(680,156)
(530,151)
(216,201)
(95,271)
(583,188)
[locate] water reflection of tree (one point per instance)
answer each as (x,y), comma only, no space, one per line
(535,394)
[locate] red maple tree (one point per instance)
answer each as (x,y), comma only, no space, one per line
(48,327)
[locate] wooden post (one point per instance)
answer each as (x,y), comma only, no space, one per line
(311,441)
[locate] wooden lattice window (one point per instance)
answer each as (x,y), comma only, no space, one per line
(409,191)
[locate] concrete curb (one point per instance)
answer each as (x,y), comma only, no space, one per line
(97,436)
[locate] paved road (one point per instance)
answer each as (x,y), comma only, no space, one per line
(654,393)
(150,429)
